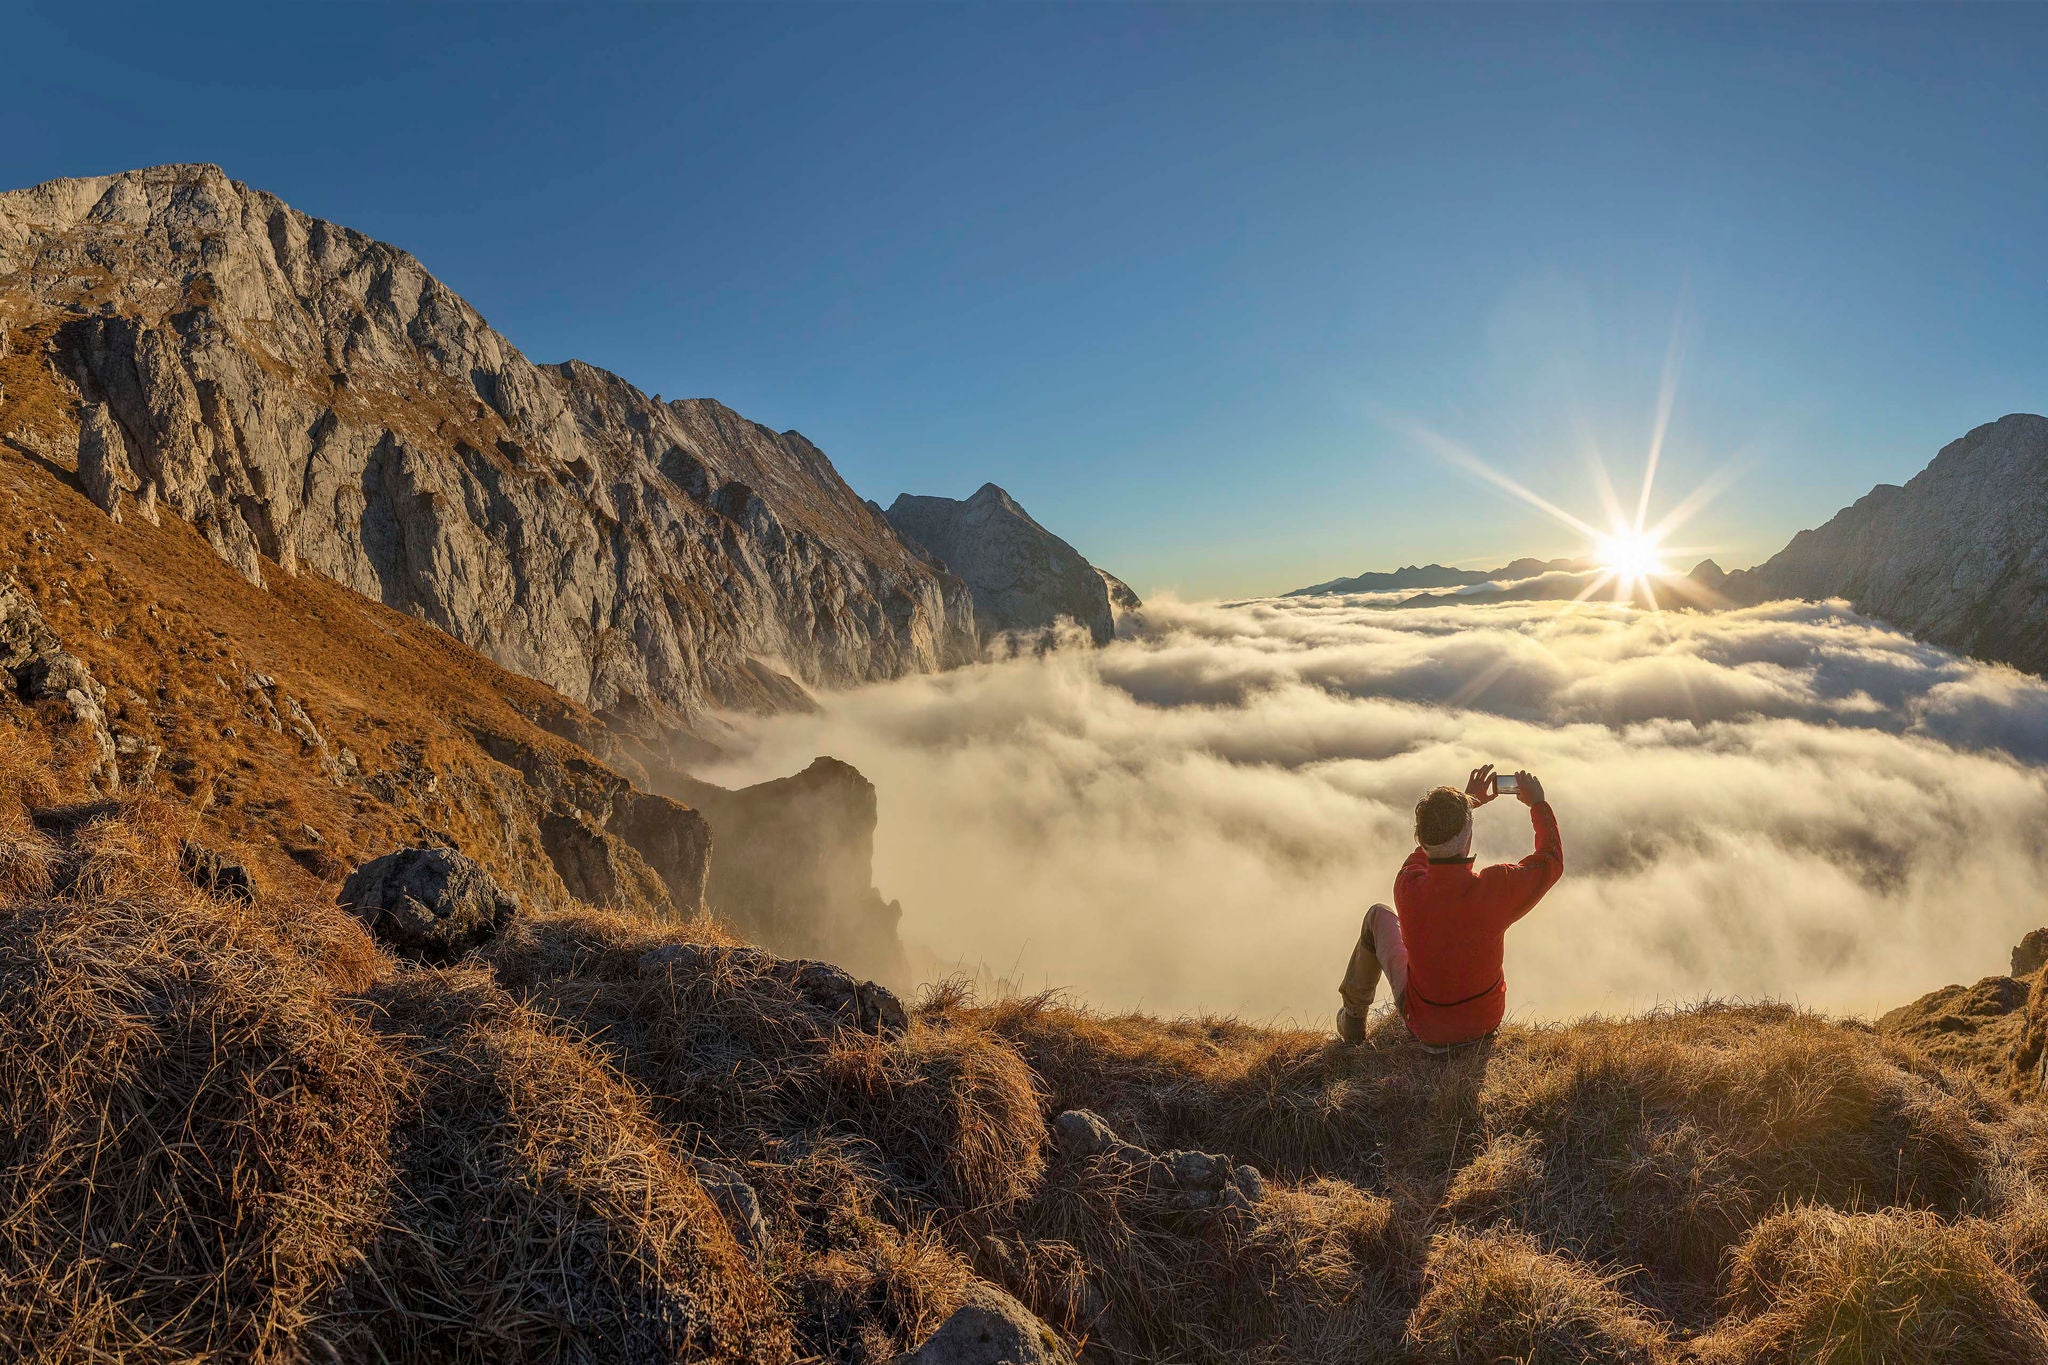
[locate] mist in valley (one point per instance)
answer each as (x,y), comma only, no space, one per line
(1790,801)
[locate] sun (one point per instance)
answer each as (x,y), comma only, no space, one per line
(1630,555)
(1626,549)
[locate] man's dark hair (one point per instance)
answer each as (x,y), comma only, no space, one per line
(1440,815)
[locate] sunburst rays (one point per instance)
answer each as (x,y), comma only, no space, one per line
(1634,557)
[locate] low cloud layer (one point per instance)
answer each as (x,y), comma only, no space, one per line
(1791,801)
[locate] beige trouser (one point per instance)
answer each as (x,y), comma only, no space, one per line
(1379,949)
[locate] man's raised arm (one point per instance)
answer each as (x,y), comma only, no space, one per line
(1522,884)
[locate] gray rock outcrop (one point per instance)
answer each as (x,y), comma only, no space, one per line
(1123,600)
(990,1328)
(1957,556)
(35,667)
(2030,954)
(303,394)
(215,873)
(428,904)
(1024,578)
(674,840)
(739,1202)
(104,471)
(794,864)
(594,865)
(609,842)
(1183,1179)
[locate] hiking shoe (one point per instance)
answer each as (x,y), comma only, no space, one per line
(1350,1028)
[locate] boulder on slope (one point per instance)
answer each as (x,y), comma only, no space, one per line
(990,1328)
(429,904)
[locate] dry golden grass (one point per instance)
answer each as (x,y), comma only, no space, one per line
(1824,1288)
(1317,1273)
(1974,1029)
(1499,1296)
(2019,1239)
(741,1060)
(1650,1143)
(241,1132)
(192,1129)
(209,1149)
(1658,1141)
(540,1213)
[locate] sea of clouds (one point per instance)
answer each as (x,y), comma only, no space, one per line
(1791,801)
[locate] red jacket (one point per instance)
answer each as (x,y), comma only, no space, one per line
(1454,920)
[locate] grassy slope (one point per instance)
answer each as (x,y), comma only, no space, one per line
(240,1131)
(174,635)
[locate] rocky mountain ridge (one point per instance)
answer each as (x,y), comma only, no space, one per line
(305,395)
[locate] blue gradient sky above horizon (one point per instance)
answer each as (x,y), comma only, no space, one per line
(1192,282)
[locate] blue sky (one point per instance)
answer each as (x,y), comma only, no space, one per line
(1188,281)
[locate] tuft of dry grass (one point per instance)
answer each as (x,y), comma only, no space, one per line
(2019,1239)
(28,857)
(27,766)
(1498,1296)
(1820,1287)
(862,1146)
(955,1109)
(542,1213)
(1322,1272)
(1500,1184)
(861,1282)
(192,1131)
(741,1059)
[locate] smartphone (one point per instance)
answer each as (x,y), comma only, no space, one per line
(1505,785)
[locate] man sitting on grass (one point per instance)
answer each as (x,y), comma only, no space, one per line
(1442,944)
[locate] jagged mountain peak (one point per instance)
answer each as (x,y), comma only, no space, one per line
(1024,578)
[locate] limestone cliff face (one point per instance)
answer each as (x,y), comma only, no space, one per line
(304,395)
(1957,556)
(1023,576)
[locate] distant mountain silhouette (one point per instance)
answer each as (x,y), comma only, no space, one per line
(1425,576)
